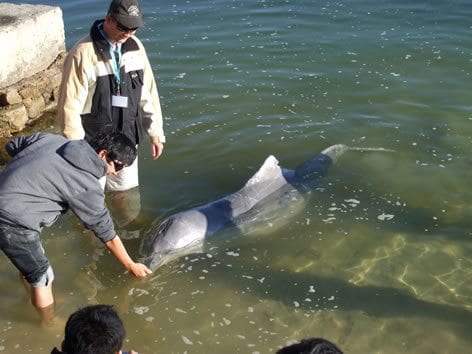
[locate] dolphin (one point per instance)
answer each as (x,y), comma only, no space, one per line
(271,189)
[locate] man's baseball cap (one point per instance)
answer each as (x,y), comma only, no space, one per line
(127,13)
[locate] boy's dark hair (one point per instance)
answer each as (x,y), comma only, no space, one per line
(95,329)
(311,346)
(118,145)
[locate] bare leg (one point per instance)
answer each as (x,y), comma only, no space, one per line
(42,299)
(47,315)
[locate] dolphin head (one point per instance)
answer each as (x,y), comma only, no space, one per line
(177,234)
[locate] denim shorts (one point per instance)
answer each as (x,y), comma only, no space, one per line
(23,247)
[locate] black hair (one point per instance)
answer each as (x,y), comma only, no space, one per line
(118,145)
(311,346)
(95,329)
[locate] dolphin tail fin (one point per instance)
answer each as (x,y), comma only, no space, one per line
(335,151)
(380,149)
(318,166)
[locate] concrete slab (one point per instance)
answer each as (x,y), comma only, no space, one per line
(31,37)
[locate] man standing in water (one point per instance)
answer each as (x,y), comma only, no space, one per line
(108,81)
(47,176)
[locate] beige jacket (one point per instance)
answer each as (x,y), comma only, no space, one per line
(87,83)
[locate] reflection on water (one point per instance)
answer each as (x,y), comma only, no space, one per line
(125,208)
(350,275)
(378,261)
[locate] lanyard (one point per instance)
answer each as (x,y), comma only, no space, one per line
(115,63)
(115,56)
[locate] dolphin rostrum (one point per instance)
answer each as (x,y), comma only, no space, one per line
(270,189)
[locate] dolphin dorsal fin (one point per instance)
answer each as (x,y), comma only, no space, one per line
(266,180)
(269,170)
(269,178)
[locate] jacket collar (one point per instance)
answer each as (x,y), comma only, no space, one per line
(102,46)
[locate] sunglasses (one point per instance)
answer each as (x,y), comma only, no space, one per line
(118,164)
(122,28)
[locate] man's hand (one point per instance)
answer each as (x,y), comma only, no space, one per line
(139,270)
(119,251)
(156,150)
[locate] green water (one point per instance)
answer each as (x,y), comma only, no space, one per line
(378,260)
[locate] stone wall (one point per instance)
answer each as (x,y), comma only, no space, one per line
(26,101)
(33,51)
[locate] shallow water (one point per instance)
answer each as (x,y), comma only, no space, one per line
(378,260)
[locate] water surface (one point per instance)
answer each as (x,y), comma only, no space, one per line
(378,260)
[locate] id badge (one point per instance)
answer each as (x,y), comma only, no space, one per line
(119,101)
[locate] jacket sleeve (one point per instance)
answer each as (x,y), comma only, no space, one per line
(73,93)
(150,104)
(18,144)
(91,210)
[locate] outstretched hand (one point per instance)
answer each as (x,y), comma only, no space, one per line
(139,270)
(119,251)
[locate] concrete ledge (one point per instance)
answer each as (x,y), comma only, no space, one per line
(31,37)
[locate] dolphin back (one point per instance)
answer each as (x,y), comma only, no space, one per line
(315,168)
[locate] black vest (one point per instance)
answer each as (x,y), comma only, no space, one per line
(126,120)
